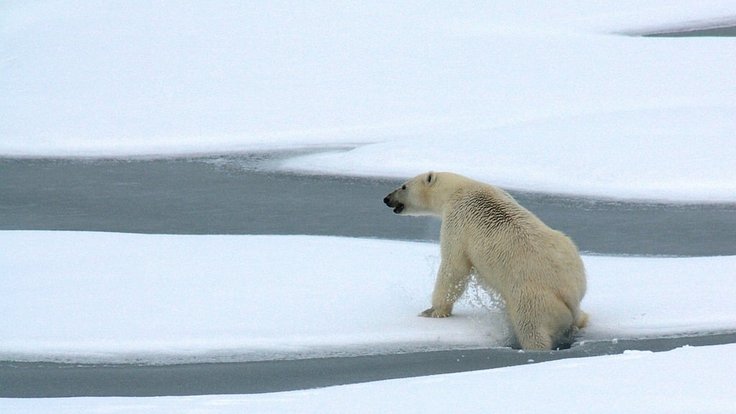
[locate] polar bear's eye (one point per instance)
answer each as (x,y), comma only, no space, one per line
(429,178)
(403,187)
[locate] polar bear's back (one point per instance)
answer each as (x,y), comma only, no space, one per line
(505,240)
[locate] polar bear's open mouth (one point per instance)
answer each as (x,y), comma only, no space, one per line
(396,205)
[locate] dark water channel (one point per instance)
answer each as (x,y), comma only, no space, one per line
(244,195)
(724,31)
(28,380)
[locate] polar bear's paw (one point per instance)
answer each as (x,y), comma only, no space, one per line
(435,313)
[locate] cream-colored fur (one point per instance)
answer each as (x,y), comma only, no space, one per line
(536,270)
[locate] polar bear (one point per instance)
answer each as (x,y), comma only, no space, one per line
(536,270)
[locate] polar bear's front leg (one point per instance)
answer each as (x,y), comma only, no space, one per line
(452,279)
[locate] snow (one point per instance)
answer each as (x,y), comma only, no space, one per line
(541,96)
(111,297)
(107,297)
(538,96)
(685,380)
(640,155)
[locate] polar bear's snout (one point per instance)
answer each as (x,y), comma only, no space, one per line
(391,201)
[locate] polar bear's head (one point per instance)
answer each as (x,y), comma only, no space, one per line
(423,195)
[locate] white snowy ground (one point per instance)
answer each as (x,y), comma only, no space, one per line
(105,297)
(545,96)
(110,297)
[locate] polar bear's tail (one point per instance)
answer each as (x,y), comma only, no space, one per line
(582,320)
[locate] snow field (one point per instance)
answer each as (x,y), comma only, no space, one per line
(528,96)
(538,96)
(106,297)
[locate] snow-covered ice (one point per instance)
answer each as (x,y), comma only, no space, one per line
(538,96)
(653,154)
(107,297)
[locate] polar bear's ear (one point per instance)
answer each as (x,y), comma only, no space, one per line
(431,177)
